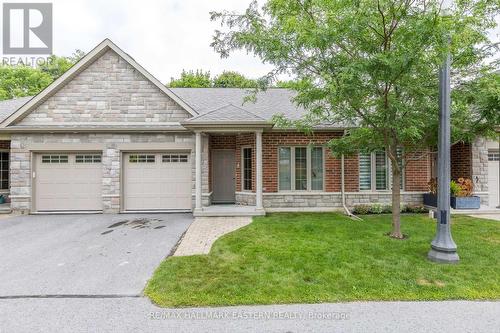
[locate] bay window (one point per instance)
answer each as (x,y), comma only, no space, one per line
(300,168)
(375,171)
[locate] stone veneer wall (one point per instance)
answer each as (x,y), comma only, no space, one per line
(479,149)
(20,166)
(324,201)
(108,91)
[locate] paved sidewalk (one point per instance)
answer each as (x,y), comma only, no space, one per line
(139,315)
(488,216)
(204,231)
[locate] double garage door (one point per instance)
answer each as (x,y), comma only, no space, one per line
(150,181)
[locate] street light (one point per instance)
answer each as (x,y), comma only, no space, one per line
(443,248)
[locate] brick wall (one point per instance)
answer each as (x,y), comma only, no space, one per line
(272,141)
(461,160)
(417,172)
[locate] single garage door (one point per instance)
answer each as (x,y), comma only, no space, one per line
(157,181)
(68,182)
(493,175)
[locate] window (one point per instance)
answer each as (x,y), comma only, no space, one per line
(493,155)
(88,159)
(285,168)
(141,158)
(4,170)
(300,168)
(317,169)
(375,171)
(174,158)
(247,169)
(55,159)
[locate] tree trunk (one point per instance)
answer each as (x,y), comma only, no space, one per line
(396,196)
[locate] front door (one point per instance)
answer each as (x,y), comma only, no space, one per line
(223,176)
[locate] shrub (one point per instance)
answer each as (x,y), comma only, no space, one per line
(454,189)
(415,209)
(376,209)
(361,209)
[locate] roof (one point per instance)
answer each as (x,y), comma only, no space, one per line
(227,112)
(81,65)
(266,104)
(8,107)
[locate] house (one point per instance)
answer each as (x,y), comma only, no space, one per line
(109,137)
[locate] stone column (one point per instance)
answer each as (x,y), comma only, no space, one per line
(198,189)
(258,157)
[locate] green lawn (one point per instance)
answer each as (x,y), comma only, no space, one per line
(326,257)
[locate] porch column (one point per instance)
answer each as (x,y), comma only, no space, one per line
(198,171)
(258,158)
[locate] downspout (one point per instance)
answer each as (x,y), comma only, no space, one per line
(342,190)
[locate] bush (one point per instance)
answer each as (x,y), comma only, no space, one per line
(414,209)
(377,208)
(361,209)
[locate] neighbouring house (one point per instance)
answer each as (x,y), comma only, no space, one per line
(109,137)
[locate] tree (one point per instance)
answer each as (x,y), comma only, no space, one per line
(19,81)
(372,64)
(56,66)
(231,79)
(192,79)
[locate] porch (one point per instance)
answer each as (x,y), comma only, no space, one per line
(228,162)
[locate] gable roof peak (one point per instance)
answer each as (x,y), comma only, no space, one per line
(80,66)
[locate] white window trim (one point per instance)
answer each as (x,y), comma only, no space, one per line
(308,166)
(373,175)
(242,173)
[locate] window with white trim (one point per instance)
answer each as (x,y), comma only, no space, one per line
(247,169)
(300,168)
(55,159)
(141,158)
(91,158)
(375,171)
(4,170)
(493,155)
(174,158)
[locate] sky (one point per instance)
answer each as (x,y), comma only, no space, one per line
(164,36)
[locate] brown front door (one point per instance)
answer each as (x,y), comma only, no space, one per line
(223,176)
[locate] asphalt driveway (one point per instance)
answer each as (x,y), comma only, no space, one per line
(84,254)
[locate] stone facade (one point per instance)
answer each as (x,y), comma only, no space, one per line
(328,201)
(479,162)
(110,90)
(21,164)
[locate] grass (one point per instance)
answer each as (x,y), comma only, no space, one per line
(326,257)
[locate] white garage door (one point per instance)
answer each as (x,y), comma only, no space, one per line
(68,182)
(157,181)
(493,175)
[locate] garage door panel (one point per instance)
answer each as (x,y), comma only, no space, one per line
(162,185)
(63,184)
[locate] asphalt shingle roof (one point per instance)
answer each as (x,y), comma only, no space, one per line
(10,106)
(266,105)
(227,112)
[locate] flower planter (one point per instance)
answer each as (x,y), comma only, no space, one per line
(465,202)
(430,200)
